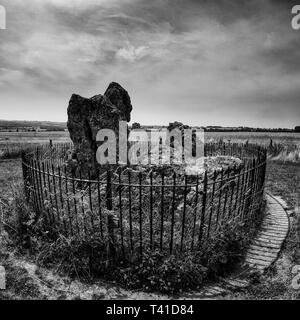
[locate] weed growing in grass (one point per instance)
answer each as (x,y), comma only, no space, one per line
(82,258)
(16,214)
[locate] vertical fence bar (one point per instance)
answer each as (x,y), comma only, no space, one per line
(42,193)
(232,182)
(50,195)
(55,195)
(34,187)
(162,211)
(35,201)
(108,191)
(184,213)
(140,213)
(212,202)
(61,199)
(121,212)
(249,187)
(252,190)
(46,196)
(25,175)
(173,212)
(241,199)
(220,196)
(203,208)
(151,210)
(75,204)
(37,188)
(226,192)
(99,205)
(237,192)
(257,184)
(195,211)
(68,202)
(30,182)
(110,218)
(90,201)
(246,183)
(82,205)
(130,212)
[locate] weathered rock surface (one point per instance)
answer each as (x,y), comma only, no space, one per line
(87,116)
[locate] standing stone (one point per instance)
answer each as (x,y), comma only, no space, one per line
(87,116)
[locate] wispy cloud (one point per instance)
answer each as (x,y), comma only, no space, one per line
(132,54)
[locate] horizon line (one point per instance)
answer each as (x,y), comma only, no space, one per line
(162,125)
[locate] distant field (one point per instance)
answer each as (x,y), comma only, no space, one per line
(287,139)
(63,136)
(12,143)
(33,137)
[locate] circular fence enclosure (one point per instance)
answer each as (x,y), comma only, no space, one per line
(134,211)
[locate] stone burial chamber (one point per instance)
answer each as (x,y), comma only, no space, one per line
(86,116)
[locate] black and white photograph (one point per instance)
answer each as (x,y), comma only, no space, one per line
(149,153)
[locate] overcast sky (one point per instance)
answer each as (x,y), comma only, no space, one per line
(199,62)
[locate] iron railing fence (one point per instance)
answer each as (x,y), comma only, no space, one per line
(136,210)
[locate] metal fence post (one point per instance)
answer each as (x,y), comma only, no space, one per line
(203,208)
(110,217)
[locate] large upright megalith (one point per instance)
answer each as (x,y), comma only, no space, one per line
(87,116)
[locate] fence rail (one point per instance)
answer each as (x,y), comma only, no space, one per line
(136,210)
